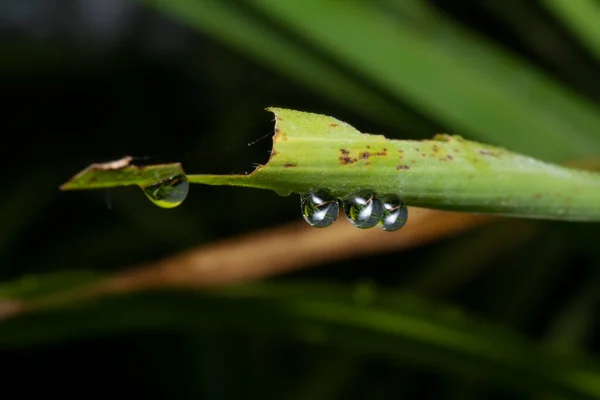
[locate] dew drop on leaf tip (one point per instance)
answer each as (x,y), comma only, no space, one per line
(168,193)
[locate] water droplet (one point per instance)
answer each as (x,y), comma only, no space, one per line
(169,192)
(320,209)
(395,213)
(363,209)
(283,193)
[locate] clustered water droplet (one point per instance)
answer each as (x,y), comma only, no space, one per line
(364,209)
(320,209)
(168,193)
(394,215)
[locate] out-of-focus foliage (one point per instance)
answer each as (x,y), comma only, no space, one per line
(186,81)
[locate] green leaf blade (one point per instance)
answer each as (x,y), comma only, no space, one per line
(121,173)
(314,151)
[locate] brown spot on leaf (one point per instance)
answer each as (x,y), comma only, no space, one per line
(423,155)
(280,135)
(537,195)
(333,125)
(290,165)
(367,164)
(112,165)
(402,167)
(366,155)
(435,148)
(345,160)
(449,157)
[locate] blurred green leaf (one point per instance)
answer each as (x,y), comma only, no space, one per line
(442,69)
(391,325)
(582,17)
(231,24)
(31,286)
(573,326)
(452,75)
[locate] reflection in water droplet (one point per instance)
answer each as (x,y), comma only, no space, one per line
(363,209)
(169,192)
(320,209)
(395,213)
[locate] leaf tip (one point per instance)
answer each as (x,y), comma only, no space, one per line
(121,163)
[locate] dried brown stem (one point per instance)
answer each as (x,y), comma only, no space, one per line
(292,247)
(263,254)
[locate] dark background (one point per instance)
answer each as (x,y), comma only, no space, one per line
(86,81)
